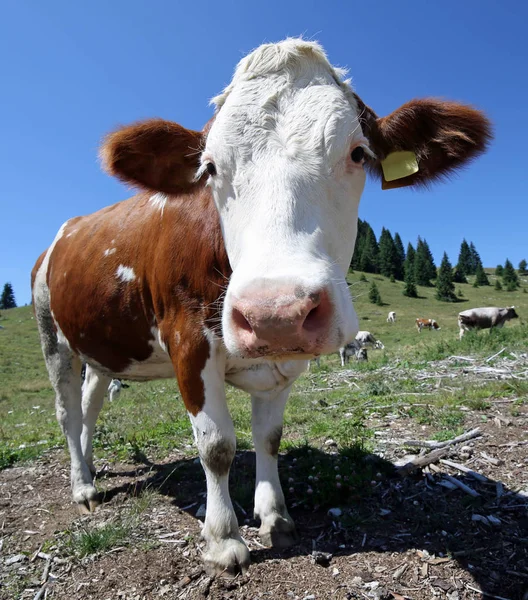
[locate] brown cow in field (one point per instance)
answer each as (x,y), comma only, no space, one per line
(229,265)
(485,318)
(426,324)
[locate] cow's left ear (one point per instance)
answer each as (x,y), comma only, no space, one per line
(156,155)
(423,140)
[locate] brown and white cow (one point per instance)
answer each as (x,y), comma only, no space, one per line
(426,324)
(229,265)
(485,318)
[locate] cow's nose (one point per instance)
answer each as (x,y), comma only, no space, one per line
(281,320)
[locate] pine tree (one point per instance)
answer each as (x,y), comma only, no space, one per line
(374,295)
(475,259)
(358,248)
(7,299)
(464,265)
(510,279)
(523,265)
(480,276)
(400,257)
(424,268)
(459,276)
(387,257)
(410,287)
(499,270)
(369,255)
(445,290)
(498,285)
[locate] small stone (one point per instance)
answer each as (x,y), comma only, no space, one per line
(14,559)
(335,512)
(335,571)
(330,442)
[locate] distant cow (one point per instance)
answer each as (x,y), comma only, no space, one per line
(352,349)
(366,339)
(427,324)
(485,318)
(392,317)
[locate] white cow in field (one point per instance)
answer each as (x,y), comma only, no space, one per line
(366,339)
(485,318)
(392,317)
(358,348)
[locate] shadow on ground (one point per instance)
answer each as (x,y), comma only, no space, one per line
(381,511)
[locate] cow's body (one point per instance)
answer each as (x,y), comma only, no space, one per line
(426,324)
(366,340)
(353,348)
(392,317)
(230,265)
(358,347)
(485,318)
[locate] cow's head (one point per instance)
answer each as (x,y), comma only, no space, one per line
(285,158)
(511,314)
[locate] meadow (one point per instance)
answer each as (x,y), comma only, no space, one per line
(344,430)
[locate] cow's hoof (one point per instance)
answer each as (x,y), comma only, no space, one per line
(86,498)
(227,558)
(281,534)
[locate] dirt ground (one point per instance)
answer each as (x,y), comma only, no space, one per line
(408,537)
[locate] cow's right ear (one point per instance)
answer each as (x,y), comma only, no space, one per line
(157,155)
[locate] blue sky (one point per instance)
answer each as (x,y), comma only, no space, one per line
(71,71)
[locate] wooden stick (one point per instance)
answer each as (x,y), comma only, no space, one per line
(462,486)
(464,469)
(422,461)
(431,444)
(495,355)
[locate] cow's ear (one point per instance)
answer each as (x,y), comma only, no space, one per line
(423,140)
(156,155)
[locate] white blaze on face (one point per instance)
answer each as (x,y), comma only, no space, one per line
(286,187)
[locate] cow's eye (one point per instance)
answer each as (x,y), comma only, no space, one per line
(358,154)
(211,169)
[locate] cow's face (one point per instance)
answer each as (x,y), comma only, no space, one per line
(285,162)
(284,159)
(511,313)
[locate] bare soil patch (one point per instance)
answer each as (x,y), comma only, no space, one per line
(398,537)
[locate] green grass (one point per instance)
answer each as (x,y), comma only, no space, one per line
(149,420)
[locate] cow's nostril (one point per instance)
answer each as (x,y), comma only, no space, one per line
(240,321)
(313,319)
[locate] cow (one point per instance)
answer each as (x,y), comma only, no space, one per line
(485,318)
(426,324)
(114,387)
(353,348)
(366,339)
(229,264)
(392,317)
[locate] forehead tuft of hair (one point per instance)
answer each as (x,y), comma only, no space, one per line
(292,55)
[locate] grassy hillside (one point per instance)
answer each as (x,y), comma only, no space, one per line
(150,418)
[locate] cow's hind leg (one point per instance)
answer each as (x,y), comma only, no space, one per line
(64,368)
(277,527)
(93,393)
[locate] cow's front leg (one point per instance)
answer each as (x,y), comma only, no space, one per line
(277,527)
(204,396)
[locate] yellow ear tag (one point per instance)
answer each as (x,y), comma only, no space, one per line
(399,164)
